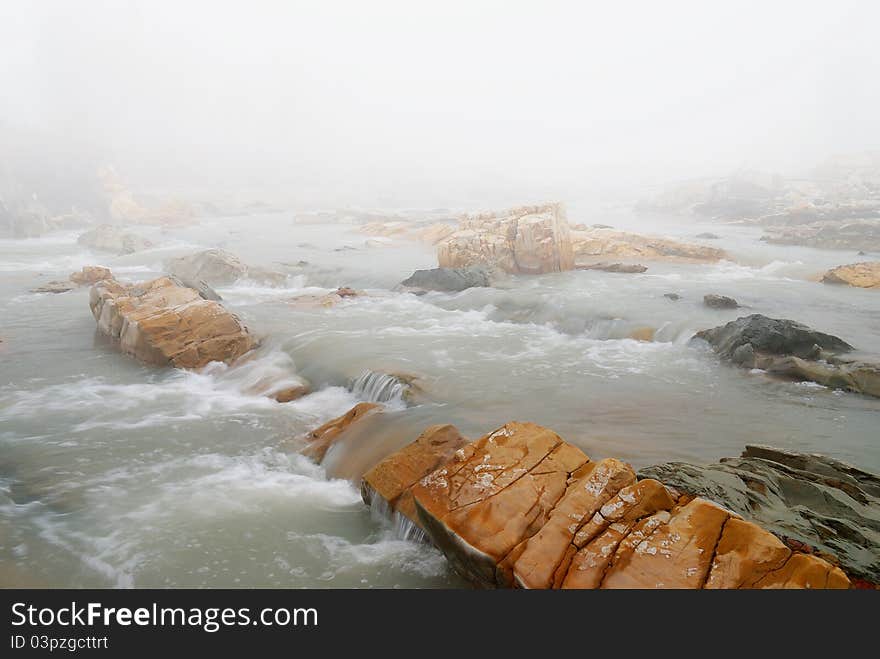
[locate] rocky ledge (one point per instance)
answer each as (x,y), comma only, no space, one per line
(520,507)
(163,323)
(599,244)
(806,499)
(788,349)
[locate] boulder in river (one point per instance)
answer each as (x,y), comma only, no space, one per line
(720,302)
(675,297)
(811,499)
(110,238)
(163,323)
(784,348)
(520,507)
(448,279)
(708,235)
(860,275)
(217,267)
(523,240)
(91,274)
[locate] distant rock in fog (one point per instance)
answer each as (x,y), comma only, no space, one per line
(720,302)
(114,239)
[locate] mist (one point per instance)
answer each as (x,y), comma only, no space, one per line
(408,103)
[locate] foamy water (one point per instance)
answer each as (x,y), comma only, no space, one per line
(117,474)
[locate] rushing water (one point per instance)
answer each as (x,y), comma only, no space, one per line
(117,474)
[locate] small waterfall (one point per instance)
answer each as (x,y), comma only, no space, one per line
(401,526)
(378,387)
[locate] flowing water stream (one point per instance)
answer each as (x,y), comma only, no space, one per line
(117,474)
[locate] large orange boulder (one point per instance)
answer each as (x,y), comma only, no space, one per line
(520,507)
(860,275)
(163,323)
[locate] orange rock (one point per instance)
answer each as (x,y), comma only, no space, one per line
(805,571)
(677,554)
(391,480)
(162,323)
(321,439)
(861,275)
(91,274)
(643,334)
(745,554)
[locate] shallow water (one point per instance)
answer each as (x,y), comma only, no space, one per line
(117,474)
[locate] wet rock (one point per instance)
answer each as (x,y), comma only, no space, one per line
(770,336)
(593,245)
(388,485)
(162,323)
(384,387)
(672,296)
(523,240)
(321,439)
(784,348)
(708,235)
(215,267)
(861,275)
(109,238)
(720,302)
(521,507)
(614,267)
(91,274)
(55,287)
(823,503)
(448,279)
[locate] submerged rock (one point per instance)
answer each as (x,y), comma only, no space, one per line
(523,240)
(672,296)
(615,267)
(55,287)
(860,275)
(321,439)
(720,302)
(708,235)
(521,507)
(448,279)
(791,350)
(318,301)
(110,238)
(826,504)
(162,323)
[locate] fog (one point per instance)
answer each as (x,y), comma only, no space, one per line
(402,102)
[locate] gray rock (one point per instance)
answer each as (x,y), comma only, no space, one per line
(706,235)
(214,267)
(812,499)
(109,238)
(720,302)
(448,279)
(672,296)
(770,336)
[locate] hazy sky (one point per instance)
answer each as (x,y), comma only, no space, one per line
(446,91)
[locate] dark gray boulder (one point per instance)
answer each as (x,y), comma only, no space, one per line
(448,279)
(827,504)
(771,336)
(720,302)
